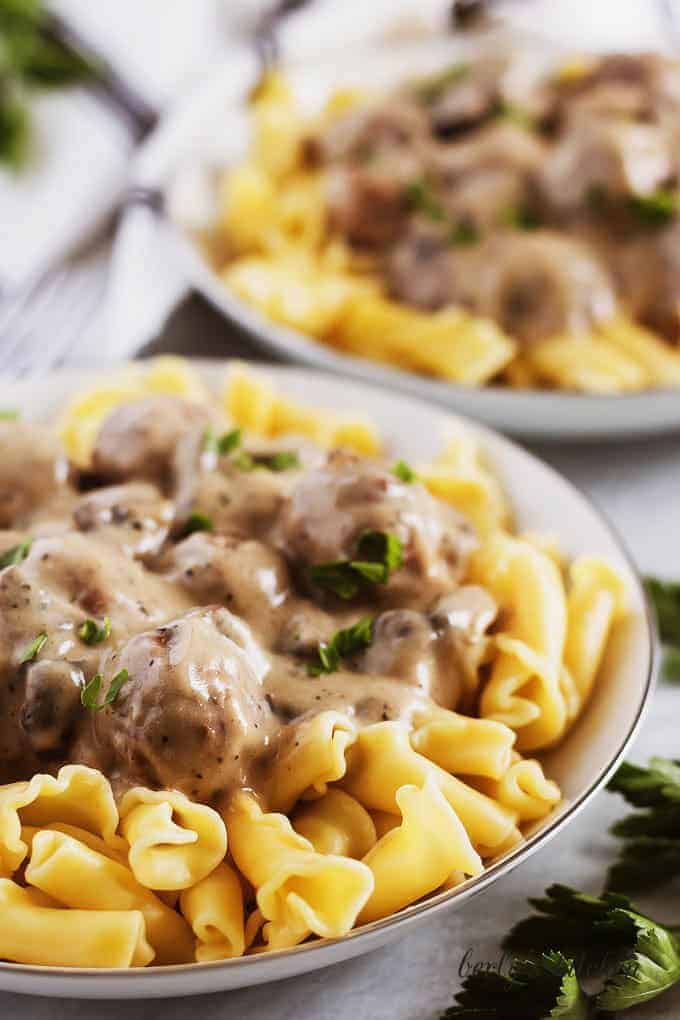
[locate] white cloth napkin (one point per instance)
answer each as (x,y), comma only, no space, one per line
(82,150)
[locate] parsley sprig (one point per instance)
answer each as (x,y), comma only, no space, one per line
(342,645)
(17,554)
(378,553)
(421,197)
(665,597)
(92,633)
(33,648)
(89,694)
(545,988)
(650,848)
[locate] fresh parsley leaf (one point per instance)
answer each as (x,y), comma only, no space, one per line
(282,460)
(17,554)
(421,197)
(515,114)
(89,694)
(378,553)
(464,233)
(519,217)
(197,521)
(430,88)
(32,649)
(648,835)
(14,130)
(665,597)
(229,441)
(649,958)
(671,665)
(342,645)
(404,472)
(657,209)
(8,414)
(652,967)
(92,634)
(545,988)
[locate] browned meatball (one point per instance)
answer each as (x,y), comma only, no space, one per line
(193,711)
(331,507)
(139,439)
(133,517)
(51,704)
(33,471)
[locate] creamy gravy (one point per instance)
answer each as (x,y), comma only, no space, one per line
(216,628)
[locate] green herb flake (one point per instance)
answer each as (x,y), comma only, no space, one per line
(32,650)
(421,197)
(404,472)
(671,665)
(655,210)
(378,553)
(228,442)
(515,115)
(430,88)
(8,414)
(665,597)
(89,694)
(283,460)
(92,634)
(197,521)
(342,645)
(17,554)
(519,217)
(463,234)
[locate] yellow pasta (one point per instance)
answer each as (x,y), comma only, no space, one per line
(524,789)
(588,363)
(382,761)
(658,358)
(420,854)
(450,344)
(117,853)
(383,821)
(596,599)
(78,796)
(458,476)
(174,842)
(299,891)
(336,824)
(214,909)
(312,756)
(523,690)
(79,877)
(253,403)
(463,745)
(34,933)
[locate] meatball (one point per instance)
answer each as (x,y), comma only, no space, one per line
(247,576)
(138,439)
(51,704)
(133,517)
(33,471)
(192,715)
(331,507)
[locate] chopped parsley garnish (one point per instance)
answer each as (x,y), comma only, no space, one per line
(17,554)
(421,197)
(7,414)
(665,597)
(92,634)
(33,648)
(520,217)
(649,959)
(430,88)
(342,645)
(515,114)
(404,472)
(464,233)
(378,554)
(657,209)
(282,460)
(197,521)
(89,694)
(651,834)
(545,988)
(224,444)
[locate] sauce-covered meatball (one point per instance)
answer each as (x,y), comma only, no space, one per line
(193,712)
(330,508)
(33,471)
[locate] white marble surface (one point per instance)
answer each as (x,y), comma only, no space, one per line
(638,486)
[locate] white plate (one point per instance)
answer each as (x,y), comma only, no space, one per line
(542,500)
(210,130)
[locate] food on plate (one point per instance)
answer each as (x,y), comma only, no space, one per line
(485,224)
(262,680)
